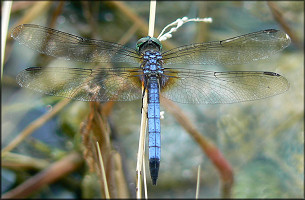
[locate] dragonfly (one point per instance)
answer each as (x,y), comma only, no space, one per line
(148,66)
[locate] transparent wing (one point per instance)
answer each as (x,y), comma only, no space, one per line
(64,45)
(207,87)
(84,84)
(237,50)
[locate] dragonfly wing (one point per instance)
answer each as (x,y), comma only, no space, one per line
(64,45)
(237,50)
(207,87)
(84,84)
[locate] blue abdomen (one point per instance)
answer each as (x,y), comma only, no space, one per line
(154,128)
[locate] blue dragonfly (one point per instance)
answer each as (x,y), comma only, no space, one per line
(155,70)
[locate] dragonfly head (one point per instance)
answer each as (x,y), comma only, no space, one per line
(148,43)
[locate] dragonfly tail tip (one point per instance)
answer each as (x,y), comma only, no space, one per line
(154,164)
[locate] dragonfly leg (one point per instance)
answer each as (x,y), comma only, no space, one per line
(145,88)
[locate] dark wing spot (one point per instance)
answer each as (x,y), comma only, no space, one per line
(270,31)
(271,74)
(33,69)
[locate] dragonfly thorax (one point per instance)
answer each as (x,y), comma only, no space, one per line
(152,64)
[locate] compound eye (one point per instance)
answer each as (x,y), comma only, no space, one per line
(157,42)
(142,41)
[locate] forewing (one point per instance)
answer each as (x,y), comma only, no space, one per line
(64,45)
(206,87)
(237,50)
(84,84)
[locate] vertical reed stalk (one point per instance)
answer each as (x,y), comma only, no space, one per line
(6,11)
(141,149)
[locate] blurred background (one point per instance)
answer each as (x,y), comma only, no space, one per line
(263,140)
